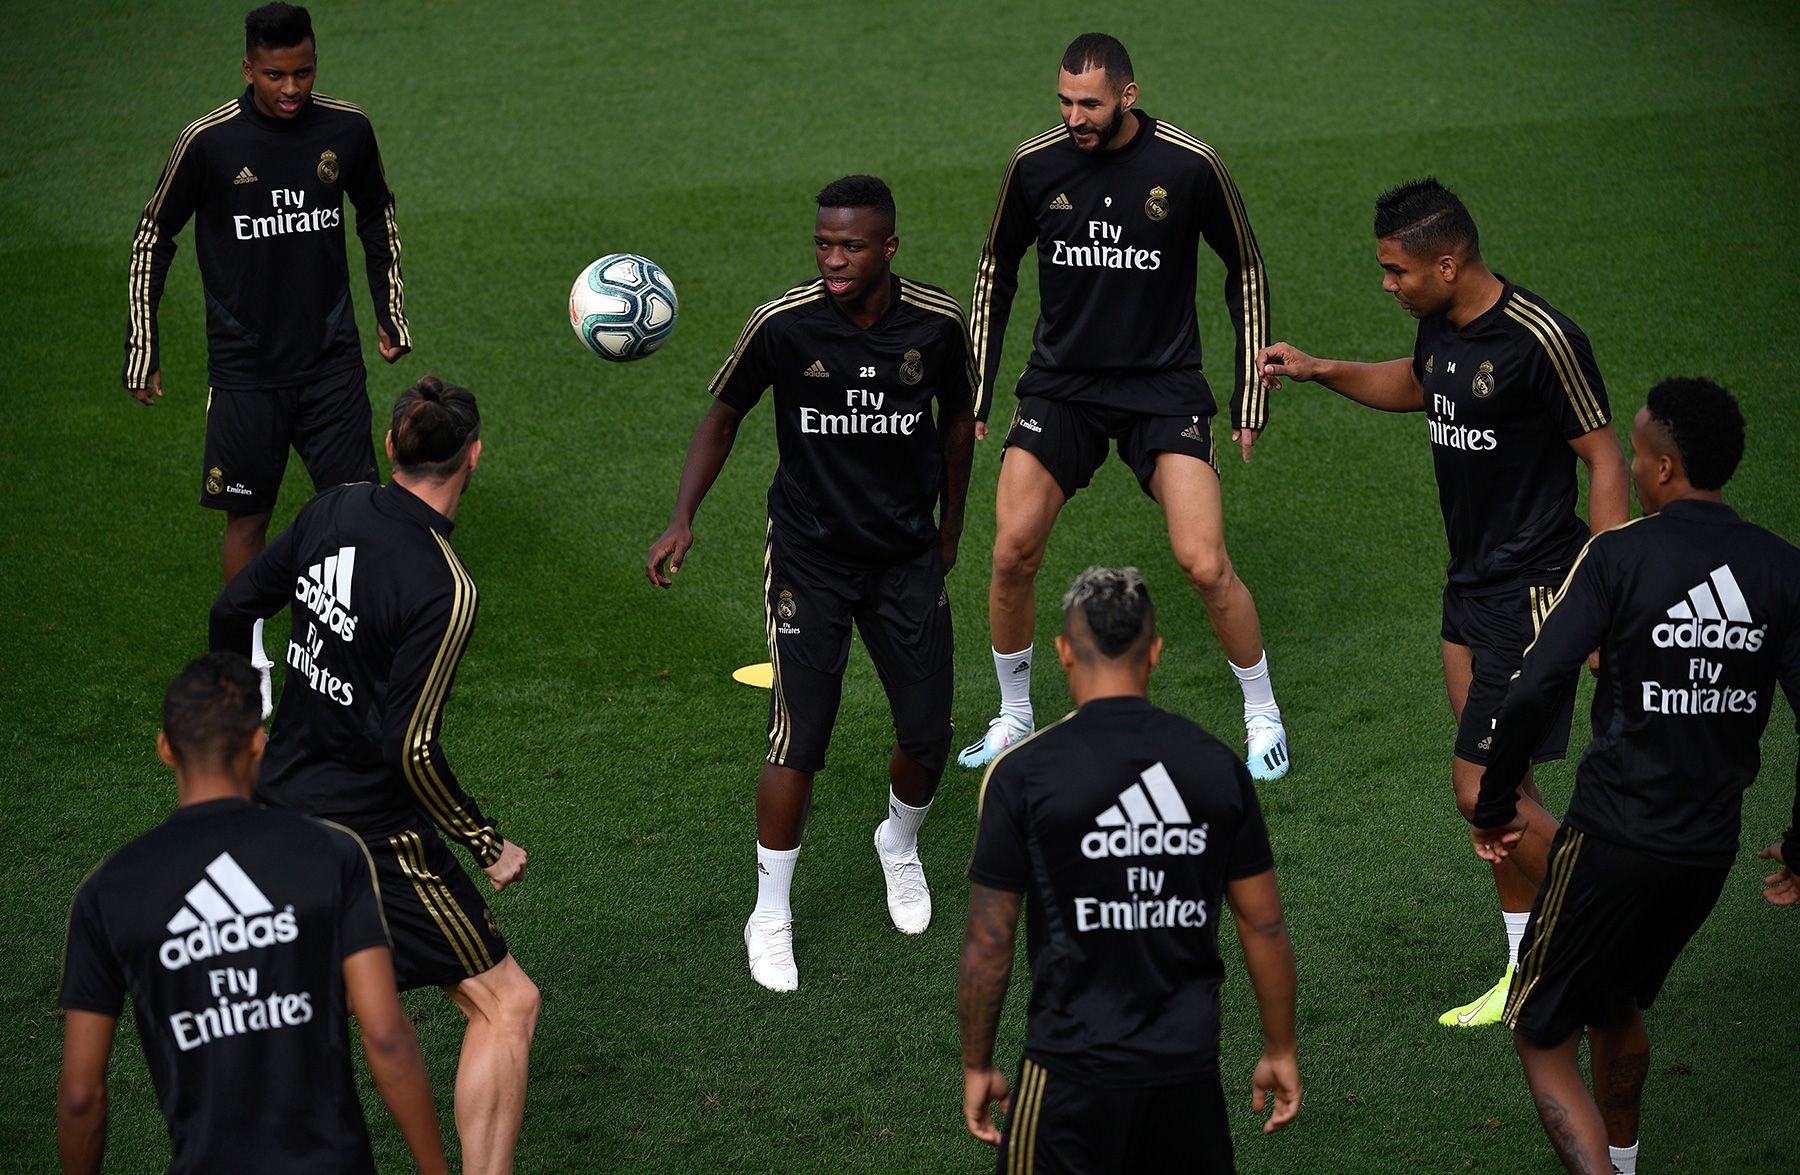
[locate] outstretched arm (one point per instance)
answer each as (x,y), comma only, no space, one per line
(705,457)
(987,959)
(1391,386)
(1269,958)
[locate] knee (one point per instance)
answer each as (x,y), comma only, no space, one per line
(1016,556)
(247,526)
(1208,568)
(520,1006)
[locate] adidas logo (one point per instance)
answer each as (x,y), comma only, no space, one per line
(225,912)
(817,370)
(1021,667)
(245,176)
(1714,616)
(1192,432)
(1061,203)
(1486,744)
(1145,822)
(325,589)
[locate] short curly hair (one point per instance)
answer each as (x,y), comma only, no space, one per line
(1705,425)
(860,191)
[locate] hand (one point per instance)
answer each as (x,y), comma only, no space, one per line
(148,396)
(981,1088)
(1245,437)
(1277,1074)
(1781,888)
(981,430)
(1493,844)
(1594,663)
(509,868)
(1279,359)
(670,548)
(386,346)
(948,541)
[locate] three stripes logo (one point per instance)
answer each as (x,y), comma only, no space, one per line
(817,370)
(245,176)
(224,913)
(1061,203)
(325,590)
(1149,820)
(1192,431)
(1714,615)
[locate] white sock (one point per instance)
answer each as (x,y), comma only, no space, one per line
(258,657)
(1014,672)
(1515,934)
(1624,1158)
(1259,692)
(900,831)
(774,878)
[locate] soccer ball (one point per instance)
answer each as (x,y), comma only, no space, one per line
(622,306)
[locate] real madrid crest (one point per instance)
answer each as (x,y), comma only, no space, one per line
(1483,385)
(215,481)
(328,166)
(912,368)
(1157,206)
(785,607)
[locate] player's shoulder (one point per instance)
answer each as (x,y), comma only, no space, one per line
(932,300)
(1171,142)
(1037,144)
(337,109)
(206,127)
(1535,313)
(790,306)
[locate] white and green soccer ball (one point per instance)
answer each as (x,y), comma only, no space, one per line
(623,307)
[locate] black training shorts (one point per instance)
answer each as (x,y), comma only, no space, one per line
(248,434)
(1497,629)
(1058,1125)
(442,929)
(1607,925)
(903,614)
(1070,438)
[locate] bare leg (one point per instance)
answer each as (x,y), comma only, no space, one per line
(913,785)
(1517,878)
(502,1006)
(1619,1052)
(1188,491)
(1026,502)
(245,537)
(1564,1105)
(783,798)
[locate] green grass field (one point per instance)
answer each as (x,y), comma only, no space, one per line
(1634,163)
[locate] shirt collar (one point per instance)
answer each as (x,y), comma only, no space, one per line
(396,499)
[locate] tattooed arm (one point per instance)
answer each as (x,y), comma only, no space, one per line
(987,959)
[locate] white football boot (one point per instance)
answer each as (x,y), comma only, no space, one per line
(770,942)
(908,897)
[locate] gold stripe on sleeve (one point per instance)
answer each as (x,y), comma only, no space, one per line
(1562,359)
(144,242)
(1253,280)
(812,291)
(420,772)
(981,302)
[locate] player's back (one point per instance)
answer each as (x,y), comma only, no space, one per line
(1705,619)
(228,925)
(1126,822)
(382,609)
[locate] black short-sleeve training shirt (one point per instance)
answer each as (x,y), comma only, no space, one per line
(228,925)
(1122,825)
(1504,396)
(862,463)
